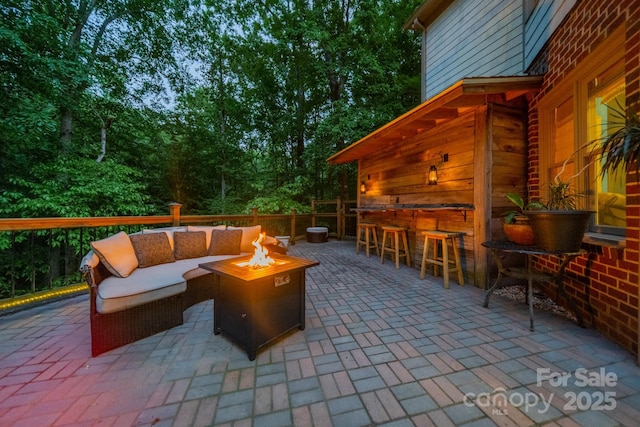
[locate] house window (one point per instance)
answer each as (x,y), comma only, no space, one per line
(608,199)
(561,164)
(580,110)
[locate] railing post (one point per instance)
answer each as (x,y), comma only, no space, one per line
(254,212)
(313,212)
(339,218)
(293,227)
(174,211)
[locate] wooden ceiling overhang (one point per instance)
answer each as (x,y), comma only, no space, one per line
(449,104)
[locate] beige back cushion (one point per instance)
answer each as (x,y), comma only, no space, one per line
(117,254)
(249,234)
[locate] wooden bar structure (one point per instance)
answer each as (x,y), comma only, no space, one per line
(475,134)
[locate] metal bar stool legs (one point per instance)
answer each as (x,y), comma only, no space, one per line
(394,245)
(368,237)
(442,239)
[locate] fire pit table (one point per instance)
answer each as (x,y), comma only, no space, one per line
(255,306)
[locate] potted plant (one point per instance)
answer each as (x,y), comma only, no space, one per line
(558,226)
(281,237)
(516,224)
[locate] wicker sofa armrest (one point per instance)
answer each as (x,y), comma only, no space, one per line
(94,274)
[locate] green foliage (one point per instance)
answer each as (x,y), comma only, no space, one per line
(320,76)
(282,199)
(76,188)
(622,148)
(560,196)
(299,82)
(510,216)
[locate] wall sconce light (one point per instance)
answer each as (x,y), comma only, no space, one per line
(437,160)
(363,185)
(433,175)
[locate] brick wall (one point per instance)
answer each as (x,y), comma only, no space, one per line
(610,275)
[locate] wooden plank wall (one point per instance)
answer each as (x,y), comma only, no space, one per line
(397,176)
(509,161)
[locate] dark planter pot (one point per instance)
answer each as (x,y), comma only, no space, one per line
(559,231)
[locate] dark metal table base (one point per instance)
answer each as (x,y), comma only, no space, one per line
(255,307)
(527,272)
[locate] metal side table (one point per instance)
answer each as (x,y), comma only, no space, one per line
(498,248)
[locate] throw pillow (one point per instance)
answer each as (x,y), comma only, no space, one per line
(189,244)
(225,242)
(152,249)
(117,254)
(166,230)
(207,229)
(249,234)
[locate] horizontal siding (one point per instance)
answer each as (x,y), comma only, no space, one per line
(474,39)
(545,18)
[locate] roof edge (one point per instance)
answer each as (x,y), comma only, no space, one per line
(426,13)
(467,86)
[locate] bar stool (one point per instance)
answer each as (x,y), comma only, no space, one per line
(394,244)
(367,236)
(442,239)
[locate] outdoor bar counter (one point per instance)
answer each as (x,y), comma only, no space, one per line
(462,207)
(415,218)
(416,207)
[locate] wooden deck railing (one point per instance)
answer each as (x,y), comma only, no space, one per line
(39,254)
(336,215)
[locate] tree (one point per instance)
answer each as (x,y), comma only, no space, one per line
(281,86)
(319,75)
(73,71)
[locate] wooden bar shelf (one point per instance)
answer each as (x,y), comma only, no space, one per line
(458,207)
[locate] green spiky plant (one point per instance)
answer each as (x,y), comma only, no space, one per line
(622,148)
(559,197)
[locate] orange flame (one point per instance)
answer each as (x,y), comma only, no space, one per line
(261,257)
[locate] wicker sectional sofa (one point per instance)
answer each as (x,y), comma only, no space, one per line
(140,284)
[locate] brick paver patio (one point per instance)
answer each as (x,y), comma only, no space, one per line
(381,347)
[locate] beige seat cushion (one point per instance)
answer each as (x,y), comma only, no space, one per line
(142,286)
(149,284)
